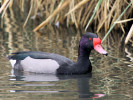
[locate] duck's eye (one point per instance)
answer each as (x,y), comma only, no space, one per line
(90,38)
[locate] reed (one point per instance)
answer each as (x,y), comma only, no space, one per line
(4,6)
(102,14)
(56,11)
(94,12)
(129,35)
(116,21)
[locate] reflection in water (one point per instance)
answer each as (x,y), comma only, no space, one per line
(25,76)
(82,82)
(129,54)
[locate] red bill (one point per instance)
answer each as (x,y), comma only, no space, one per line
(98,47)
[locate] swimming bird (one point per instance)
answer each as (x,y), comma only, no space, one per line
(44,62)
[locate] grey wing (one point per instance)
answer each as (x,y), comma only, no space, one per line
(40,55)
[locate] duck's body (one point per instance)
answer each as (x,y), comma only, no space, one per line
(43,62)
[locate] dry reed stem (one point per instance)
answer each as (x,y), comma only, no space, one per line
(101,24)
(123,21)
(5,9)
(122,28)
(73,15)
(130,34)
(4,5)
(22,5)
(77,6)
(28,14)
(117,20)
(87,14)
(52,7)
(56,11)
(105,15)
(94,12)
(79,16)
(111,12)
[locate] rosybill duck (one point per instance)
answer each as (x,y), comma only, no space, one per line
(43,62)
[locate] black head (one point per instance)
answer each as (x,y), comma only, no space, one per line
(91,41)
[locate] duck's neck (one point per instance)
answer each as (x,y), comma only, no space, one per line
(83,53)
(83,64)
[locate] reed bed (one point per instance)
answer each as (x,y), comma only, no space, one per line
(101,14)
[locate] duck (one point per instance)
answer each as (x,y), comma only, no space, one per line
(44,62)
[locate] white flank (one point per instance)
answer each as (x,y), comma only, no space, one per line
(13,62)
(39,65)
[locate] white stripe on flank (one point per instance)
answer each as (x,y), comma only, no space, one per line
(13,62)
(39,65)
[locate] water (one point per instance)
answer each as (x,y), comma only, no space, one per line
(111,78)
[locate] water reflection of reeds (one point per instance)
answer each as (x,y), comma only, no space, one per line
(114,71)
